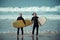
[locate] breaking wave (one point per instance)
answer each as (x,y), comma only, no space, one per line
(51,17)
(40,32)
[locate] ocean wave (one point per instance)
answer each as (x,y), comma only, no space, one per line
(40,32)
(52,17)
(30,9)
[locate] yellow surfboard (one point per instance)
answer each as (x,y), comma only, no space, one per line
(20,23)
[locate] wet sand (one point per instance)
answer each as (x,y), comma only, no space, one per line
(13,36)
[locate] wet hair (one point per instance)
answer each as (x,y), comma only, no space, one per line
(34,13)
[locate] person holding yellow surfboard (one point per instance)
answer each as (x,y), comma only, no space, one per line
(20,18)
(35,23)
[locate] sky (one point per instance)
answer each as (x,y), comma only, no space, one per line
(30,5)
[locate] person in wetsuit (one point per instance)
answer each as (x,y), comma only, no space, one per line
(20,18)
(35,23)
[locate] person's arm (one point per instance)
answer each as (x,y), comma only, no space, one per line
(17,18)
(23,20)
(39,22)
(32,20)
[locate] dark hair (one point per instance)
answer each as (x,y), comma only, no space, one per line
(33,14)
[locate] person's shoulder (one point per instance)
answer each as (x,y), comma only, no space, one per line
(32,17)
(37,16)
(19,17)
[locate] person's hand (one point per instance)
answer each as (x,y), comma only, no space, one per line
(32,25)
(25,25)
(40,24)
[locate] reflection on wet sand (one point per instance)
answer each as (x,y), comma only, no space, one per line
(36,38)
(22,38)
(33,38)
(17,38)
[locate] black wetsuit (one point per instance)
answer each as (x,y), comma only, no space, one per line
(35,24)
(20,18)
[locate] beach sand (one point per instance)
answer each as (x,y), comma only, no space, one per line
(13,36)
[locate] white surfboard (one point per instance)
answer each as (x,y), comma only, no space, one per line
(42,20)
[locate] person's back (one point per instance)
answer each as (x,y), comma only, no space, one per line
(20,18)
(35,19)
(35,23)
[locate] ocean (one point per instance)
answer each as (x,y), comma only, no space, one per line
(49,31)
(52,24)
